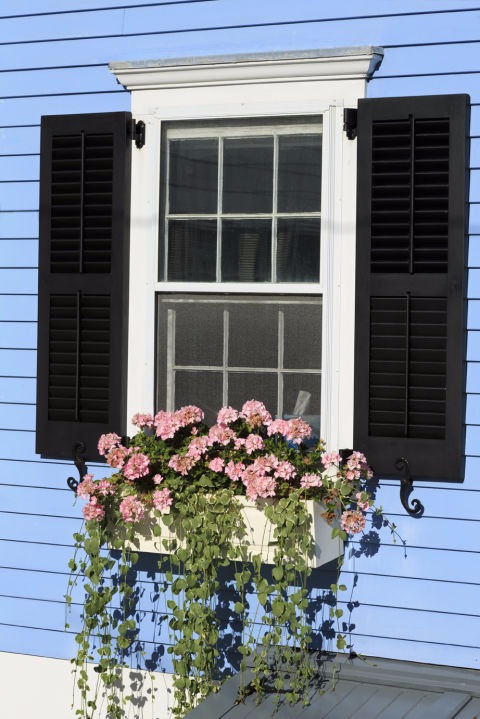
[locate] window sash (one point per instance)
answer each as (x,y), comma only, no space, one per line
(220,133)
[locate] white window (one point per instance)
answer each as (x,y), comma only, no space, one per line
(243,234)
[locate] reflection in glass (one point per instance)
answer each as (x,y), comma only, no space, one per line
(299,173)
(298,250)
(246,250)
(192,249)
(193,178)
(248,175)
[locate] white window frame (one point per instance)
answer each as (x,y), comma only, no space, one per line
(252,87)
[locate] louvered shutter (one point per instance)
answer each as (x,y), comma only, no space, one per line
(83,280)
(410,284)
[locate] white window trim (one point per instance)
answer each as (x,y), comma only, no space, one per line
(277,85)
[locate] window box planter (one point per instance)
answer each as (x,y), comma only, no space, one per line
(259,535)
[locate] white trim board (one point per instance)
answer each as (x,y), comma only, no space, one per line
(41,687)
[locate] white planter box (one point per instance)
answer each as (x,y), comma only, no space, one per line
(259,535)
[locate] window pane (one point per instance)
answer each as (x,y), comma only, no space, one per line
(192,250)
(303,336)
(308,402)
(201,388)
(193,178)
(299,173)
(248,175)
(253,335)
(246,250)
(198,334)
(298,250)
(243,386)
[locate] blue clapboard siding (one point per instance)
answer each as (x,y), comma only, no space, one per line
(419,602)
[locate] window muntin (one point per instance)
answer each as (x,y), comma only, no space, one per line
(242,204)
(214,350)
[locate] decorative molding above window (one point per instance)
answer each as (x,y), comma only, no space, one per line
(341,63)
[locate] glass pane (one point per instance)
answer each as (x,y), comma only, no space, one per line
(193,178)
(201,388)
(198,334)
(299,173)
(298,250)
(248,175)
(253,335)
(301,397)
(243,386)
(303,336)
(192,250)
(246,250)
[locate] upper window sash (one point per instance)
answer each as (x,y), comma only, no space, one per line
(216,237)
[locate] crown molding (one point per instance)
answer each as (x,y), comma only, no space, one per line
(307,65)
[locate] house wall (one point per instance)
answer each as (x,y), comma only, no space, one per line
(420,602)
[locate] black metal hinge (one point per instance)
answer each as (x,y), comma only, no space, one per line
(136,133)
(350,122)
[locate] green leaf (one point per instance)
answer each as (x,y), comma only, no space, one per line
(277,573)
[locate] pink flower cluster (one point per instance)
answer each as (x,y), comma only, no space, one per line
(352,521)
(168,423)
(162,500)
(255,414)
(132,509)
(310,480)
(257,477)
(294,430)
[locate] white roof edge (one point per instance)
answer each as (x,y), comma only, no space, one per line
(350,62)
(247,57)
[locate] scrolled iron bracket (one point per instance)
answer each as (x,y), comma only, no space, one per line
(78,453)
(415,508)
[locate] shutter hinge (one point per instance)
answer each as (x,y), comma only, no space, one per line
(350,122)
(136,133)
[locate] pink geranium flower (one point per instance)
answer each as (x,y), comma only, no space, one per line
(310,480)
(353,521)
(108,442)
(117,456)
(180,464)
(253,443)
(216,465)
(137,466)
(255,413)
(363,505)
(142,420)
(227,415)
(162,500)
(93,510)
(190,414)
(285,470)
(234,470)
(86,487)
(131,509)
(166,424)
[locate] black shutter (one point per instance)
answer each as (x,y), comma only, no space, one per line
(412,217)
(83,281)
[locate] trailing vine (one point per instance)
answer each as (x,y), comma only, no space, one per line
(187,481)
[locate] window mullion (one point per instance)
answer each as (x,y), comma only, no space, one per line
(219,210)
(281,336)
(226,329)
(274,208)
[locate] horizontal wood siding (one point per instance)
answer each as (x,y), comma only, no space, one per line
(419,601)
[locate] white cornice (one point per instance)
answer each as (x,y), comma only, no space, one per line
(307,65)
